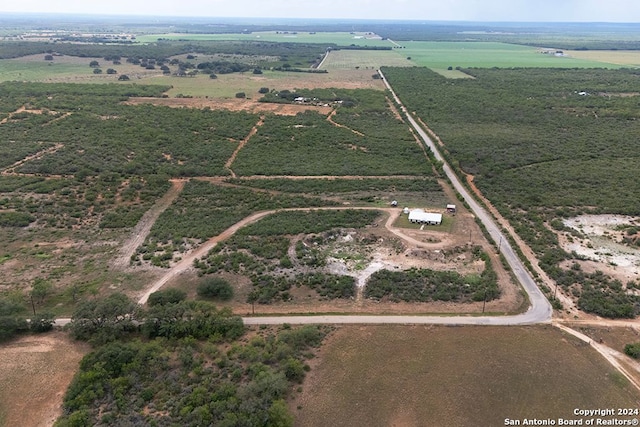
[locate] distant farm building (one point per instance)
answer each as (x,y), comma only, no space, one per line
(451,208)
(421,217)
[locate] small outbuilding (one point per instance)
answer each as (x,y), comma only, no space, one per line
(421,217)
(405,211)
(394,203)
(451,208)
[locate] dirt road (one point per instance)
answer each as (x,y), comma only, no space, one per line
(540,310)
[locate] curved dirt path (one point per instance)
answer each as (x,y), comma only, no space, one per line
(186,262)
(330,120)
(11,169)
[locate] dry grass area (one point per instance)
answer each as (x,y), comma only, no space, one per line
(248,105)
(611,336)
(365,59)
(619,57)
(615,338)
(462,376)
(35,371)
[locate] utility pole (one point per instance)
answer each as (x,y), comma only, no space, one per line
(484,301)
(33,305)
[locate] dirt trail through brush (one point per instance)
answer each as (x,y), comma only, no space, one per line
(186,262)
(330,120)
(11,169)
(240,146)
(19,110)
(143,227)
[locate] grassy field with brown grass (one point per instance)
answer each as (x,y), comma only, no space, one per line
(619,57)
(454,376)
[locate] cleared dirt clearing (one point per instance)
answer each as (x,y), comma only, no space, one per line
(445,376)
(35,371)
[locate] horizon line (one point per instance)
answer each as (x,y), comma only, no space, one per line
(275,18)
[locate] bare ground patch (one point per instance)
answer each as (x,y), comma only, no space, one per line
(601,240)
(35,372)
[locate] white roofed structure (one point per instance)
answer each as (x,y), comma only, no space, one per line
(422,217)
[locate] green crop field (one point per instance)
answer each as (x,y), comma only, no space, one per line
(441,55)
(472,376)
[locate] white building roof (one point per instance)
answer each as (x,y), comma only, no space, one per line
(422,216)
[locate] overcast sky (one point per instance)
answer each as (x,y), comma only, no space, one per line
(456,10)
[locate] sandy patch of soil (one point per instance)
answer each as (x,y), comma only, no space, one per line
(600,239)
(231,105)
(35,371)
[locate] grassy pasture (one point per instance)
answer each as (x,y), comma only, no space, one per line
(338,38)
(441,55)
(440,376)
(11,69)
(68,69)
(374,59)
(227,85)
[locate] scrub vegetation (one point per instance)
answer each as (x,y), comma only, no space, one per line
(188,364)
(542,145)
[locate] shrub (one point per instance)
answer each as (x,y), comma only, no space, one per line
(11,326)
(169,296)
(241,95)
(632,350)
(43,323)
(15,219)
(217,288)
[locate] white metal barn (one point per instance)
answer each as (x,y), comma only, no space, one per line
(422,217)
